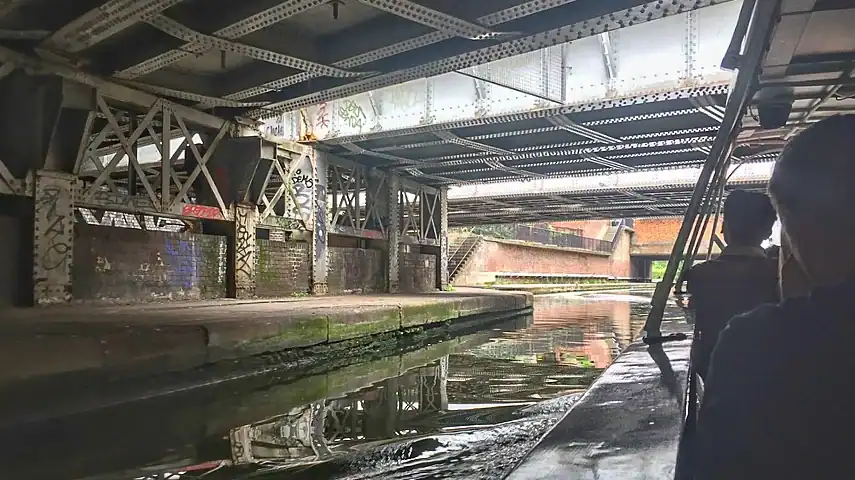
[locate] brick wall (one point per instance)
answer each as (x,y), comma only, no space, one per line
(417,271)
(282,268)
(585,228)
(136,265)
(355,270)
(495,256)
(655,236)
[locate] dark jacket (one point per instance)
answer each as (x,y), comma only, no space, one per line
(779,401)
(739,280)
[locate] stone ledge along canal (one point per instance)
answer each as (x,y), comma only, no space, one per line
(463,403)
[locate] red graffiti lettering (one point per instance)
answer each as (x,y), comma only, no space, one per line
(201,211)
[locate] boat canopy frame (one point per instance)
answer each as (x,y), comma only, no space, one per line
(748,46)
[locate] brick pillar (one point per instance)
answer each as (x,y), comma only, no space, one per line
(246,218)
(53,237)
(319,249)
(442,226)
(393,231)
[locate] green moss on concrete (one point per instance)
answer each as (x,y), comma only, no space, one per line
(213,257)
(347,325)
(248,338)
(308,330)
(428,313)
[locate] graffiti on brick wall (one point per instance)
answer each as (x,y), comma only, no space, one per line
(181,257)
(244,247)
(148,223)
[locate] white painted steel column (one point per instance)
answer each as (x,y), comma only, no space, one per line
(319,223)
(245,251)
(53,237)
(442,237)
(393,232)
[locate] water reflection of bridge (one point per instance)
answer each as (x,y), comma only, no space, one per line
(566,347)
(462,383)
(389,409)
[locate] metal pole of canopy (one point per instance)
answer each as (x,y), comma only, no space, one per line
(700,224)
(718,205)
(763,18)
(712,203)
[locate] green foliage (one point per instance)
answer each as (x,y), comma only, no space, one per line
(657,270)
(495,231)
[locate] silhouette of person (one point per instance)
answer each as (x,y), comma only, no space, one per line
(740,279)
(778,397)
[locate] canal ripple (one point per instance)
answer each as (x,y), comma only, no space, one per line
(497,400)
(467,408)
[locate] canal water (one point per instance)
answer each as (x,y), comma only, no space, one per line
(467,407)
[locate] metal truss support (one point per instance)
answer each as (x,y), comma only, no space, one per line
(103,21)
(110,89)
(243,261)
(177,30)
(358,200)
(441,218)
(419,207)
(165,189)
(515,12)
(319,244)
(763,18)
(393,231)
(53,237)
(639,14)
(238,29)
(433,387)
(435,19)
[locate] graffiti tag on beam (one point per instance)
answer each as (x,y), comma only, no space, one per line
(201,211)
(148,223)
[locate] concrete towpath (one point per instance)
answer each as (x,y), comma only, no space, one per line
(181,335)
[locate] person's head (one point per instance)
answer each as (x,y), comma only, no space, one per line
(748,218)
(813,190)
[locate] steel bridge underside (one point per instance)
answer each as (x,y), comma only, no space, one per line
(511,155)
(217,67)
(658,201)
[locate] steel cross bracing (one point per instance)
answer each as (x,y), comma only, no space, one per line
(180,49)
(637,133)
(644,58)
(237,56)
(638,119)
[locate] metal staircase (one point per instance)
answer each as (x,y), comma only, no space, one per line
(461,250)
